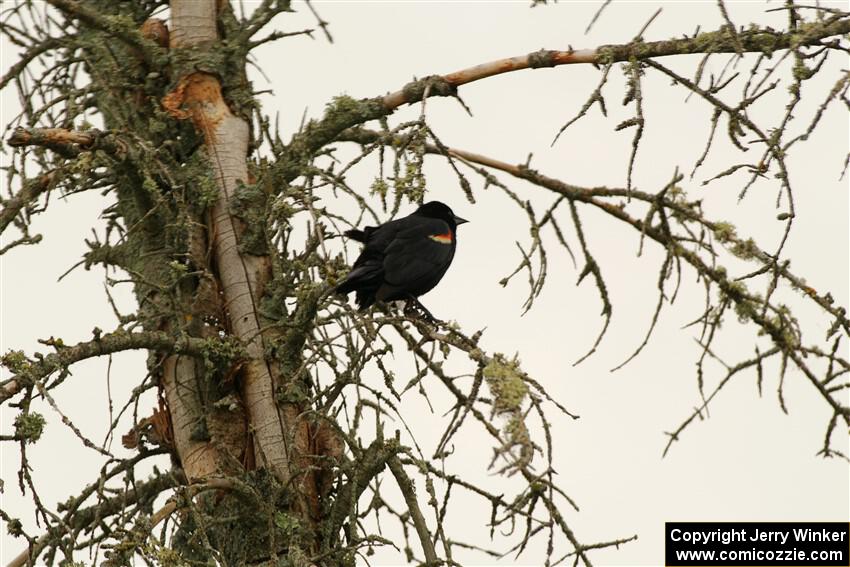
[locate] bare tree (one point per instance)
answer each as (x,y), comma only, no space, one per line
(280,452)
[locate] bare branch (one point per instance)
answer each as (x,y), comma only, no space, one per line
(409,493)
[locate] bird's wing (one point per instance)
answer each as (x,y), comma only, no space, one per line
(421,249)
(368,269)
(361,235)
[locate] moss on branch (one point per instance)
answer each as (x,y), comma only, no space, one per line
(26,372)
(753,40)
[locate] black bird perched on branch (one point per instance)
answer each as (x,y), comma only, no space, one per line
(403,258)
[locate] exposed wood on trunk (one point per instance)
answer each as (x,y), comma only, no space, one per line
(198,456)
(278,431)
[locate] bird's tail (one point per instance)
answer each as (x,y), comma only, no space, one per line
(345,287)
(365,280)
(364,297)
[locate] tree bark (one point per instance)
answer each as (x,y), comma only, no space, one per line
(280,436)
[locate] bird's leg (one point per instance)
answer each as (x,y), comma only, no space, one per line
(413,305)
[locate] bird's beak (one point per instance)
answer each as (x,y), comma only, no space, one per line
(459,221)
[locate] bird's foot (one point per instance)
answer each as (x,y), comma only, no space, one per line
(413,307)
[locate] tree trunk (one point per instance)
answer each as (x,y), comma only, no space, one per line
(281,438)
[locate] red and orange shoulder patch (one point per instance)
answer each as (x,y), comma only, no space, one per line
(442,238)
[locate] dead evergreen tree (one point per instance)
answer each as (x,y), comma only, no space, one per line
(279,451)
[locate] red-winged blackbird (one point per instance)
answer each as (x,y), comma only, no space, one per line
(403,258)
